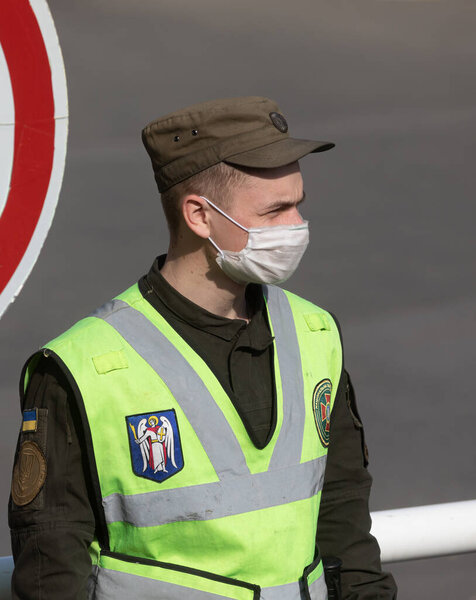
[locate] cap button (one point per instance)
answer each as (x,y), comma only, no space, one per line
(279,122)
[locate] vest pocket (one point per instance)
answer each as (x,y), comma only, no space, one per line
(122,577)
(314,584)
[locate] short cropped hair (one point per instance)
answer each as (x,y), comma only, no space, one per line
(216,183)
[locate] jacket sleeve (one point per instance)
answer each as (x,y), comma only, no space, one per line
(51,533)
(344,518)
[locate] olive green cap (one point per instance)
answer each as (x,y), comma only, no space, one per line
(247,132)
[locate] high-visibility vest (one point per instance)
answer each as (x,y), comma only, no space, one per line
(188,507)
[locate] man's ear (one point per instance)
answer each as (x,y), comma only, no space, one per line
(195,211)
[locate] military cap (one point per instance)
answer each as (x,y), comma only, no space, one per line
(247,132)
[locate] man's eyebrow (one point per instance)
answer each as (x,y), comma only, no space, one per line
(285,203)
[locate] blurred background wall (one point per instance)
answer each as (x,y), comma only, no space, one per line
(391,208)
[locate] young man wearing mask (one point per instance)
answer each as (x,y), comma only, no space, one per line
(197,437)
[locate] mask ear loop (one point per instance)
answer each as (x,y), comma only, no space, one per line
(219,250)
(222,212)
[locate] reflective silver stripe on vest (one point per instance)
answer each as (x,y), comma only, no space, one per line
(289,591)
(318,589)
(294,591)
(288,447)
(183,382)
(218,499)
(116,585)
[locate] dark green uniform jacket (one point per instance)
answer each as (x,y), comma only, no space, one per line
(51,534)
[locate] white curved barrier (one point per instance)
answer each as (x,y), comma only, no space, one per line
(6,568)
(403,534)
(425,531)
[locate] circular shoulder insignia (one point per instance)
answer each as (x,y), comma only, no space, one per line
(321,407)
(279,121)
(29,473)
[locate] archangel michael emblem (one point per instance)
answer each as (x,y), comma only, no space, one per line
(154,441)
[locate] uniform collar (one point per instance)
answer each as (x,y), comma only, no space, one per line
(256,334)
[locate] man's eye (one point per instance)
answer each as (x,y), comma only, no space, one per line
(275,211)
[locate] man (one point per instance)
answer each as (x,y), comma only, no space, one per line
(174,442)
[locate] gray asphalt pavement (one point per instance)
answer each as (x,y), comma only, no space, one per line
(391,208)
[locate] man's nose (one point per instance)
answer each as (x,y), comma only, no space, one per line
(295,217)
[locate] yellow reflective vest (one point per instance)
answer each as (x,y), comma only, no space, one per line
(188,507)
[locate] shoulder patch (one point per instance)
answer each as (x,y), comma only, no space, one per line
(29,473)
(30,420)
(155,445)
(321,407)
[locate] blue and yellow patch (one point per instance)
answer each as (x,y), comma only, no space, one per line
(321,407)
(30,420)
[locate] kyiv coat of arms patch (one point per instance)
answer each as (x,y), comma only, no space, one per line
(154,441)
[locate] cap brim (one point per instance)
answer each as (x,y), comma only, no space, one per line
(277,154)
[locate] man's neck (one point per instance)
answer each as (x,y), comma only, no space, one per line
(205,284)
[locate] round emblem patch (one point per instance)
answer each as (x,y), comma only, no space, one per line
(279,121)
(29,474)
(321,407)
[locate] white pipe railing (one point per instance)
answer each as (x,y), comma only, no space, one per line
(6,568)
(402,533)
(425,531)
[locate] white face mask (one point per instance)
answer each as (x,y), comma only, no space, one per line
(271,254)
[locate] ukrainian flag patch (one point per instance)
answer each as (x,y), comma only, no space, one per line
(30,420)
